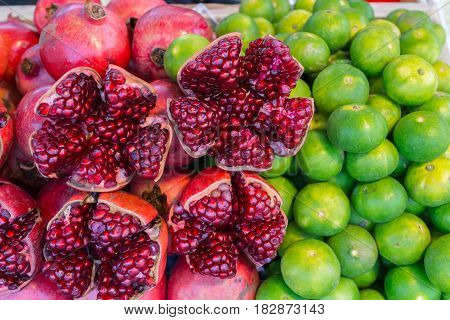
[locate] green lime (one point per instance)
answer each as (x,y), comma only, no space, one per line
(364,7)
(238,22)
(357,220)
(356,128)
(437,264)
(257,8)
(339,56)
(300,90)
(366,279)
(380,201)
(280,166)
(282,36)
(264,26)
(322,209)
(357,19)
(356,250)
(287,191)
(390,110)
(383,23)
(370,294)
(337,85)
(307,5)
(345,290)
(373,48)
(294,234)
(422,136)
(335,5)
(428,182)
(415,207)
(344,181)
(440,104)
(394,15)
(403,240)
(319,122)
(382,161)
(442,70)
(331,26)
(273,268)
(409,283)
(310,268)
(410,80)
(318,158)
(180,50)
(440,216)
(274,288)
(280,9)
(445,296)
(412,19)
(310,50)
(421,42)
(293,21)
(439,32)
(402,165)
(376,85)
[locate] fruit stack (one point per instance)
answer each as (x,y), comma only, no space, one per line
(290,153)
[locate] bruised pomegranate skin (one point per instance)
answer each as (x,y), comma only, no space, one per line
(84,35)
(30,73)
(16,37)
(45,9)
(21,235)
(132,10)
(6,134)
(185,285)
(155,30)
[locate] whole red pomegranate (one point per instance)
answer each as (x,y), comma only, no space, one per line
(6,134)
(30,73)
(237,108)
(155,30)
(45,9)
(21,233)
(15,38)
(97,131)
(185,285)
(102,246)
(130,12)
(84,35)
(220,214)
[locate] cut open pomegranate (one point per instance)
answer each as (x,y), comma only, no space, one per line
(237,108)
(220,214)
(96,131)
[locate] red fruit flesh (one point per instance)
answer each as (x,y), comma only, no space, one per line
(69,130)
(16,37)
(236,109)
(30,73)
(219,213)
(99,36)
(155,30)
(45,10)
(6,134)
(195,286)
(21,232)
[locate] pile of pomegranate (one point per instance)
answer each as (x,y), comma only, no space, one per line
(96,152)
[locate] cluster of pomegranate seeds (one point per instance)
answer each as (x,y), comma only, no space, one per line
(219,215)
(237,108)
(91,244)
(99,131)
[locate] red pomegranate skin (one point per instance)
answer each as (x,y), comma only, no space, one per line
(16,37)
(185,285)
(132,9)
(10,96)
(45,9)
(30,73)
(39,288)
(156,29)
(76,37)
(6,134)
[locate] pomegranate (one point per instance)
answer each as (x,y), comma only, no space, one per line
(221,213)
(96,131)
(103,246)
(184,285)
(6,134)
(21,233)
(84,35)
(155,30)
(30,73)
(15,37)
(237,108)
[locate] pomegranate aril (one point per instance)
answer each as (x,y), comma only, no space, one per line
(20,227)
(109,287)
(12,282)
(187,239)
(14,258)
(4,118)
(105,130)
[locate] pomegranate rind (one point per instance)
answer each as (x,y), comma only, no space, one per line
(6,137)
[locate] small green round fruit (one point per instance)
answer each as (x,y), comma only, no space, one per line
(403,240)
(376,85)
(319,122)
(264,26)
(274,288)
(357,19)
(257,8)
(287,191)
(412,19)
(282,36)
(344,181)
(437,264)
(395,14)
(357,220)
(364,7)
(414,207)
(345,290)
(370,294)
(421,42)
(439,32)
(310,268)
(301,90)
(402,166)
(307,5)
(280,9)
(294,234)
(366,279)
(440,104)
(293,21)
(383,23)
(239,22)
(440,216)
(280,166)
(390,110)
(335,5)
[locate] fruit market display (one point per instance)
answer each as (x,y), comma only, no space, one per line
(286,153)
